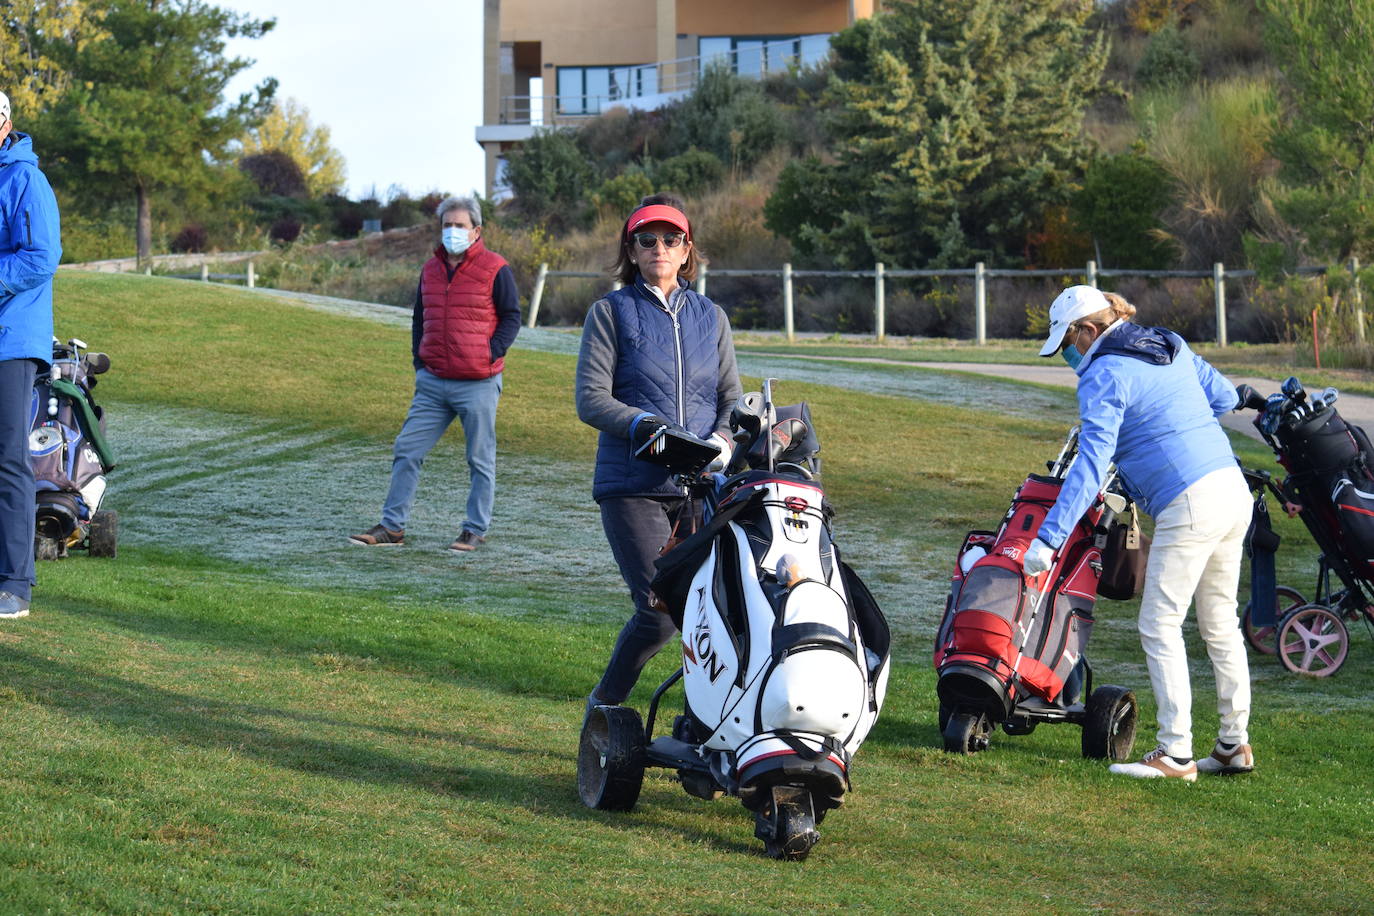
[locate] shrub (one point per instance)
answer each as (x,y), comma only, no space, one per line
(285,230)
(550,175)
(729,116)
(619,195)
(689,173)
(1119,206)
(192,237)
(87,239)
(275,173)
(1168,62)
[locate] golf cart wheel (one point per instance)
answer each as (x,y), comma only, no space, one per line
(46,548)
(944,717)
(966,733)
(1261,638)
(104,533)
(1109,722)
(787,824)
(610,759)
(1312,640)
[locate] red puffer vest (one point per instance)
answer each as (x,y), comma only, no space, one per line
(459,315)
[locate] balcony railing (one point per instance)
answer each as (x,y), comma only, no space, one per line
(652,85)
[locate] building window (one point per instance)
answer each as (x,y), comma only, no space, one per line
(587,90)
(750,55)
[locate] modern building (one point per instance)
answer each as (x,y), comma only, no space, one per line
(551,63)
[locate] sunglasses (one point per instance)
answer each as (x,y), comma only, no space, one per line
(649,240)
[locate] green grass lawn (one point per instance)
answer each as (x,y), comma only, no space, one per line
(242,714)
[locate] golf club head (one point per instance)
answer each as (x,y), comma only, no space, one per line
(1293,388)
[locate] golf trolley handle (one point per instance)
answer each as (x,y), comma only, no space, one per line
(770,416)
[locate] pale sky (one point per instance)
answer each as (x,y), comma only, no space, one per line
(397,82)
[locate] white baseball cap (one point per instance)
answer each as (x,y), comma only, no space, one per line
(4,108)
(1072,304)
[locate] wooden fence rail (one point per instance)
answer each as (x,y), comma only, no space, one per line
(979,272)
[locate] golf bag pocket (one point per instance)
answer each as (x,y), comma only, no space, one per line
(1355,509)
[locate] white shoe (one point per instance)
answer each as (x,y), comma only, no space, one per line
(1156,765)
(1239,759)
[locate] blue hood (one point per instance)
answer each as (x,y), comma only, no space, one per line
(1157,346)
(18,148)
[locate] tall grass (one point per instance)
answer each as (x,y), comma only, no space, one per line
(1211,140)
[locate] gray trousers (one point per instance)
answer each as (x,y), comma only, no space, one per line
(636,528)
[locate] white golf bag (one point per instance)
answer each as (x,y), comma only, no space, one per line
(784,650)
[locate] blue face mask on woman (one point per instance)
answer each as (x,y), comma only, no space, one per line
(1071,356)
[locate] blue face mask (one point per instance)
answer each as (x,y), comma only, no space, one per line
(456,240)
(1071,356)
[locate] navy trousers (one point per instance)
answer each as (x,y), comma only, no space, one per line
(636,528)
(16,478)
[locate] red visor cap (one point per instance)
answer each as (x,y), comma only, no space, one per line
(657,213)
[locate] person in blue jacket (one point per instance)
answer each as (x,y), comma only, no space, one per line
(653,353)
(30,247)
(1149,404)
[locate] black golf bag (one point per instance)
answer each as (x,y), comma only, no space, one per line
(1330,486)
(70,456)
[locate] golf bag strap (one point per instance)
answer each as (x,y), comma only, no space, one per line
(90,424)
(1261,543)
(829,745)
(797,635)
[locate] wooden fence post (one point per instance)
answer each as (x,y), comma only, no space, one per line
(1219,290)
(701,279)
(1357,297)
(537,296)
(980,302)
(879,306)
(204,273)
(787,319)
(252,278)
(1092,274)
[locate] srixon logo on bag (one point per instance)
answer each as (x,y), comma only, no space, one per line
(697,650)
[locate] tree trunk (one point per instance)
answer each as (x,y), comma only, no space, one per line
(144,229)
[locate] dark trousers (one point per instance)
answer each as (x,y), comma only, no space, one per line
(16,478)
(636,528)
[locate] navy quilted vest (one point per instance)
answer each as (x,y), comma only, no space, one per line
(667,367)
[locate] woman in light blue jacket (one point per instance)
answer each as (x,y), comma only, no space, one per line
(1149,404)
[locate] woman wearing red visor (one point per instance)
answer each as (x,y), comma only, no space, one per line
(654,353)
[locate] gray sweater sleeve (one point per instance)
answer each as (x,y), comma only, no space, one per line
(728,388)
(596,361)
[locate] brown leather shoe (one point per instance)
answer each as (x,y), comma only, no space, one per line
(377,536)
(467,540)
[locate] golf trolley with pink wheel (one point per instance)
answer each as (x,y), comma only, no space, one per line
(1330,486)
(784,651)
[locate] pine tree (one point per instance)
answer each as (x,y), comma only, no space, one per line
(953,127)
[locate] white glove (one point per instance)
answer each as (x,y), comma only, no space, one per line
(1038,558)
(726,447)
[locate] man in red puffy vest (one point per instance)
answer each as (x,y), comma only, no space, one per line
(467,313)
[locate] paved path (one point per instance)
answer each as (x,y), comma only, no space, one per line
(1358,409)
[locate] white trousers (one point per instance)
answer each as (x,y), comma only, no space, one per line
(1196,554)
